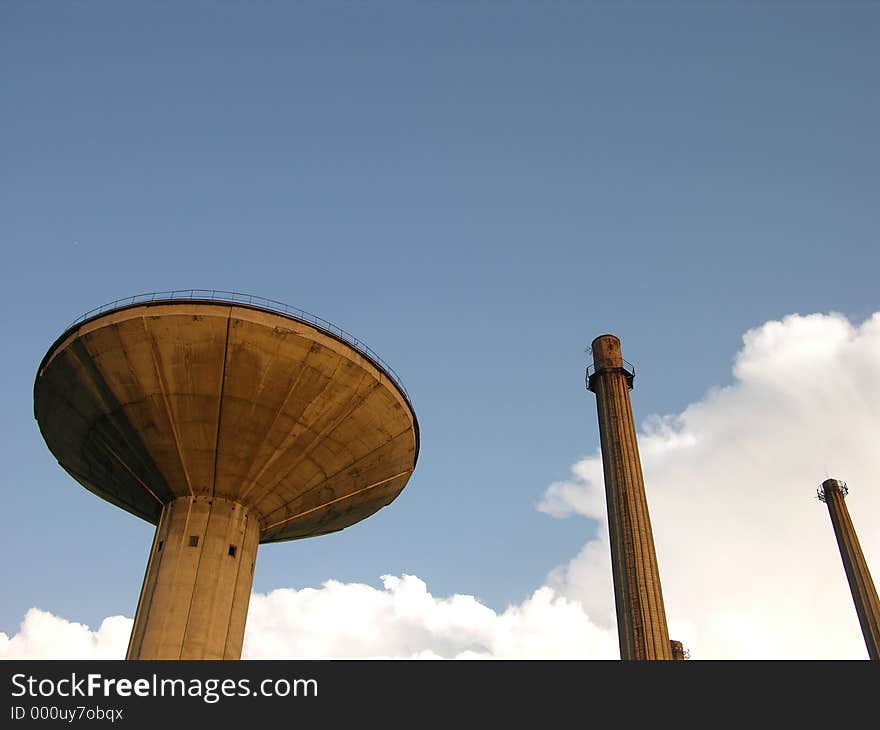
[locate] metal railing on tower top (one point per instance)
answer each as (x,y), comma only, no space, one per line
(627,368)
(233,297)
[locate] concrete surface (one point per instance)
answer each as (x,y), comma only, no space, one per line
(641,616)
(861,584)
(227,425)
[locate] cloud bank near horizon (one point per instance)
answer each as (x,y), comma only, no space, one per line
(357,621)
(748,560)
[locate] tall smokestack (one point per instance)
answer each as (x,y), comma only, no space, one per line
(641,618)
(832,493)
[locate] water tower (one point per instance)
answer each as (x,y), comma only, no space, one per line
(227,420)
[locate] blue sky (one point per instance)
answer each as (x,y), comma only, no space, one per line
(475,189)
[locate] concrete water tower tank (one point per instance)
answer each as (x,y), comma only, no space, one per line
(228,421)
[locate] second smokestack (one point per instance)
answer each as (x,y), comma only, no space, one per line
(641,617)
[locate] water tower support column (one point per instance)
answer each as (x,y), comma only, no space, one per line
(194,600)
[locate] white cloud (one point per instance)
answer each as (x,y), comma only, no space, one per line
(43,635)
(352,621)
(404,620)
(748,560)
